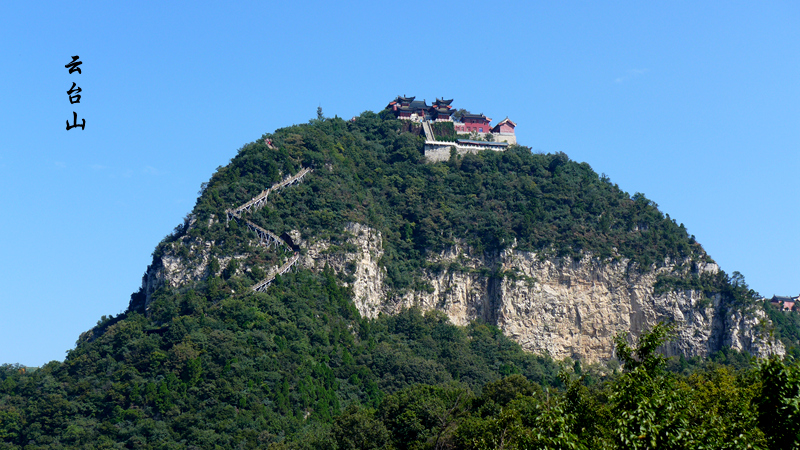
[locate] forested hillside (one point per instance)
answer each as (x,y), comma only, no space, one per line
(369,172)
(212,364)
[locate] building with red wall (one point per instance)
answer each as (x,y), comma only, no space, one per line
(504,131)
(477,123)
(504,127)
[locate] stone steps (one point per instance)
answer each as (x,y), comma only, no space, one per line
(265,236)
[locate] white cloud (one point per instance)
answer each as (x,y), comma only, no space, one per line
(633,73)
(150,170)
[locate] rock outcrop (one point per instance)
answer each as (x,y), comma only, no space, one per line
(181,262)
(560,306)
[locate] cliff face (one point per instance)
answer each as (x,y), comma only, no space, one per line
(560,306)
(174,268)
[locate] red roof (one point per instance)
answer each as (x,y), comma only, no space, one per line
(506,120)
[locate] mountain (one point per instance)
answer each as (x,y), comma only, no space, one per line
(333,288)
(557,257)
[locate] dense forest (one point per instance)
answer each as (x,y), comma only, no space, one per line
(215,365)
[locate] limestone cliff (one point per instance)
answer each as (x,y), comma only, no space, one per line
(560,306)
(181,262)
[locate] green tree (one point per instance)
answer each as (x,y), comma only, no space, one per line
(10,424)
(524,423)
(779,403)
(647,411)
(357,428)
(424,416)
(721,408)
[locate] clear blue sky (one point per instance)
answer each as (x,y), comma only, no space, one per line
(695,104)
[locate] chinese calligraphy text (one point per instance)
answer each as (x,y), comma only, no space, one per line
(73,93)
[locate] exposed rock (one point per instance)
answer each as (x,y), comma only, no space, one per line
(174,270)
(368,286)
(560,306)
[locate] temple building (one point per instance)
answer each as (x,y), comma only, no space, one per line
(441,111)
(408,108)
(504,131)
(476,122)
(784,303)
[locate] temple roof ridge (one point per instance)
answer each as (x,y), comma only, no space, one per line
(513,124)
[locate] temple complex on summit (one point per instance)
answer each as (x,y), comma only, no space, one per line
(477,128)
(409,108)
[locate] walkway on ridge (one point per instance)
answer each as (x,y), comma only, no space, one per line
(260,200)
(265,236)
(262,285)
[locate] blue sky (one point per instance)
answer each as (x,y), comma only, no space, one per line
(695,104)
